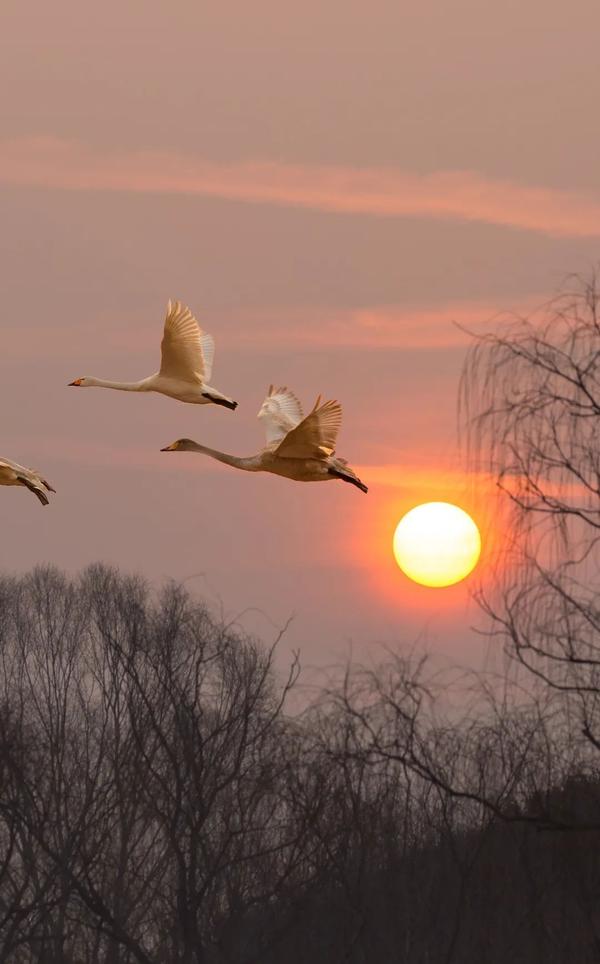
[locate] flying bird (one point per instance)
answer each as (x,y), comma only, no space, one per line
(11,473)
(297,448)
(185,368)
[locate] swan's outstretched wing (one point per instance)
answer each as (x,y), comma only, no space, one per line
(315,436)
(281,412)
(187,353)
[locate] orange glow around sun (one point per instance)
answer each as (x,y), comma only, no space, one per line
(437,544)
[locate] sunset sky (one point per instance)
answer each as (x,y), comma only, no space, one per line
(329,186)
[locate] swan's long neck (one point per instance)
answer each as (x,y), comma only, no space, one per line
(249,464)
(120,386)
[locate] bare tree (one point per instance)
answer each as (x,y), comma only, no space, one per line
(158,805)
(145,779)
(531,395)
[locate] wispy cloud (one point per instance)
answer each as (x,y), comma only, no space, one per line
(369,328)
(382,192)
(267,329)
(427,477)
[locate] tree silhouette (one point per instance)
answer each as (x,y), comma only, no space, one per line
(532,396)
(157,804)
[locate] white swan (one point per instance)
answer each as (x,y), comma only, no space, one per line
(11,473)
(298,448)
(185,368)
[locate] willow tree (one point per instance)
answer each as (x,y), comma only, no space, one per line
(531,396)
(525,748)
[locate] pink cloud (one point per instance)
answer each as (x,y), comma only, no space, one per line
(273,328)
(373,327)
(425,476)
(383,192)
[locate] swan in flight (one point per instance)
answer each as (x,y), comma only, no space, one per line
(185,367)
(298,448)
(11,473)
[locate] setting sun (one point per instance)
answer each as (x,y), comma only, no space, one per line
(437,544)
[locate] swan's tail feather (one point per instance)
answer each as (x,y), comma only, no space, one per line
(37,491)
(225,402)
(47,485)
(44,481)
(348,477)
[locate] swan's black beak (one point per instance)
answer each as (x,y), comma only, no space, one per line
(171,448)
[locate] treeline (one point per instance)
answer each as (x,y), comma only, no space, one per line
(158,803)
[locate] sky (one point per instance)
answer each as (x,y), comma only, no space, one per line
(330,187)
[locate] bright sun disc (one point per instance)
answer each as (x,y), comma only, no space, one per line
(437,544)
